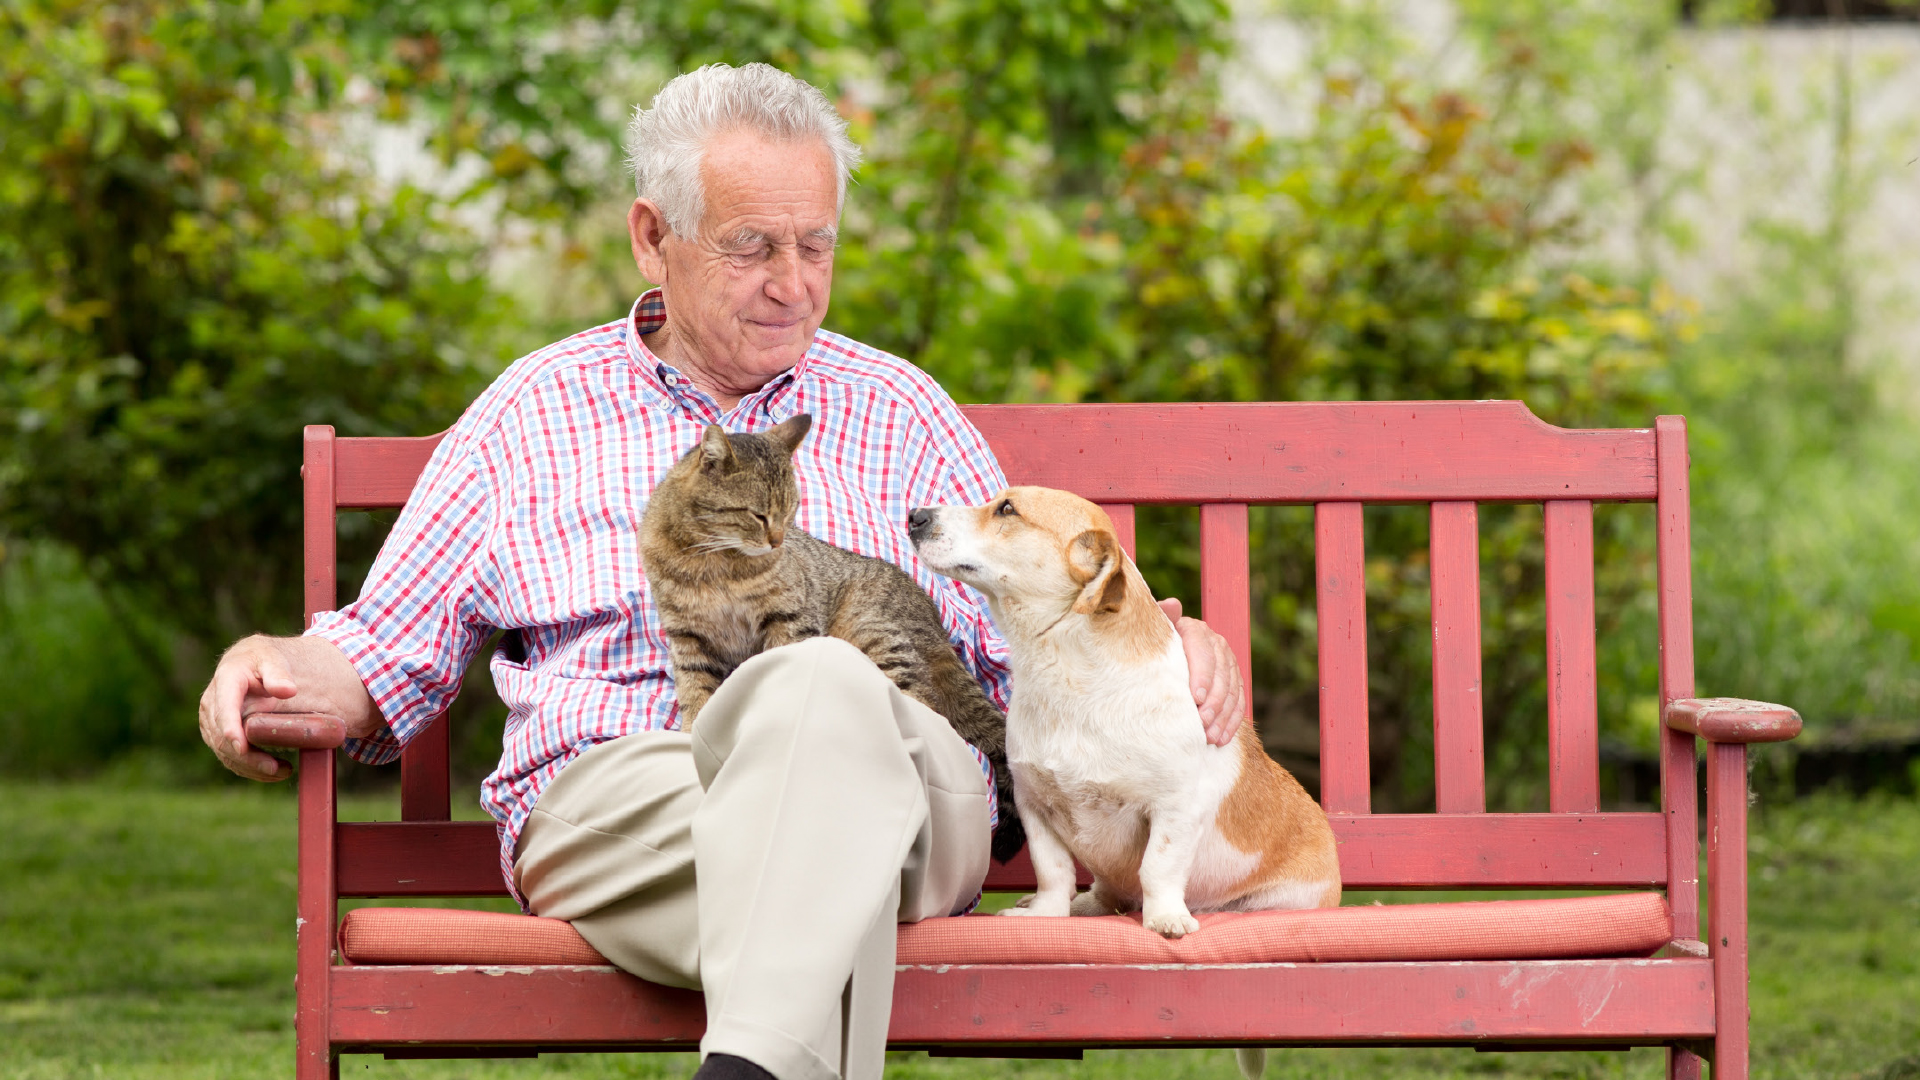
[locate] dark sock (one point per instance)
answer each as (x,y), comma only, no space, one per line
(728,1067)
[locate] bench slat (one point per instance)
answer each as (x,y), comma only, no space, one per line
(1377,851)
(1459,757)
(425,781)
(1479,851)
(1621,1001)
(1678,796)
(1341,606)
(1376,451)
(376,473)
(1232,452)
(1122,515)
(1573,754)
(1224,594)
(418,858)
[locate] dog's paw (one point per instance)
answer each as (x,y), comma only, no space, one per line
(1089,903)
(1174,923)
(1046,906)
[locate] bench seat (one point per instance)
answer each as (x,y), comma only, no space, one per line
(1622,925)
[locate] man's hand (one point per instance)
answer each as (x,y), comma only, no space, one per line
(1213,673)
(266,674)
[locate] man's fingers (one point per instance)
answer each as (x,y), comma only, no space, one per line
(242,673)
(258,765)
(230,746)
(1232,709)
(1214,709)
(273,676)
(1220,681)
(1201,661)
(1214,676)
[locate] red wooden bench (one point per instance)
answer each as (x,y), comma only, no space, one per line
(414,985)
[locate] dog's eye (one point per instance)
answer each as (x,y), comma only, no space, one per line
(1006,510)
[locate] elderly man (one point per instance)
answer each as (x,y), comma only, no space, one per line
(767,857)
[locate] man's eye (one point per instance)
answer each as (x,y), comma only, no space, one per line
(1006,510)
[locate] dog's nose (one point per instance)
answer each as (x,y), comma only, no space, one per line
(918,522)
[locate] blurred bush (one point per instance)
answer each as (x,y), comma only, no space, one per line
(192,266)
(197,257)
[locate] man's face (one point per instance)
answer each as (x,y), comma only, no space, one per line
(746,293)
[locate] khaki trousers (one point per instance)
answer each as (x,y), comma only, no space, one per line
(766,857)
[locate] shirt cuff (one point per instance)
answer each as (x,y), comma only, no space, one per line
(363,652)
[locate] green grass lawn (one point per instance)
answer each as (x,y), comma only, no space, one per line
(148,932)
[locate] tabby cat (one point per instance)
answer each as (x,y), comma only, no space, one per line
(732,577)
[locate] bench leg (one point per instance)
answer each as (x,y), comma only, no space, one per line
(313,928)
(1682,1064)
(1727,896)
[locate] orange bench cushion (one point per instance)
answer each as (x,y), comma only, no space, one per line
(1627,924)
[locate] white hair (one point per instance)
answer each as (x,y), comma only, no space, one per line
(665,143)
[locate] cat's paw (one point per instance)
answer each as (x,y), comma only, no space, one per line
(1089,903)
(1172,922)
(1054,907)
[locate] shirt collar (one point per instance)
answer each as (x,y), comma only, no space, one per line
(766,406)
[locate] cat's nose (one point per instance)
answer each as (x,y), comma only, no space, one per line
(918,522)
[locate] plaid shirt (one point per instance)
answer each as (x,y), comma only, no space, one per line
(528,517)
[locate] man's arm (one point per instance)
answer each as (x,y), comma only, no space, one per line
(273,674)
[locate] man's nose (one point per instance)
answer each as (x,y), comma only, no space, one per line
(918,522)
(784,279)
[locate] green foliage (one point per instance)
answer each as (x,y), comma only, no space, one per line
(1805,436)
(1395,249)
(1807,500)
(1057,206)
(194,264)
(196,259)
(81,690)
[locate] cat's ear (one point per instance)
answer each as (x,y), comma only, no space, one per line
(791,431)
(1094,560)
(716,451)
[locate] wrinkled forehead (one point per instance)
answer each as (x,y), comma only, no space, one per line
(781,188)
(1058,512)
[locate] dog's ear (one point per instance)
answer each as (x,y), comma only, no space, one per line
(1095,561)
(792,430)
(716,450)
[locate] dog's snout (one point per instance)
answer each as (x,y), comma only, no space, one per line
(919,521)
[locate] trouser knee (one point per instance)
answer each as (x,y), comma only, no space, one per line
(816,699)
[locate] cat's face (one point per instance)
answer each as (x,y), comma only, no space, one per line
(736,493)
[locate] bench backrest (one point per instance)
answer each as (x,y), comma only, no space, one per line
(1335,456)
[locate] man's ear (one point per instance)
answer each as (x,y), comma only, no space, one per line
(792,430)
(647,231)
(716,451)
(1094,560)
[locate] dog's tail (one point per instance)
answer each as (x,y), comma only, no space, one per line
(1253,1061)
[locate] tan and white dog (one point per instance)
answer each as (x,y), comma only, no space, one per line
(1111,765)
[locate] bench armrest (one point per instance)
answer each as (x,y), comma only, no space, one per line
(1732,720)
(296,731)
